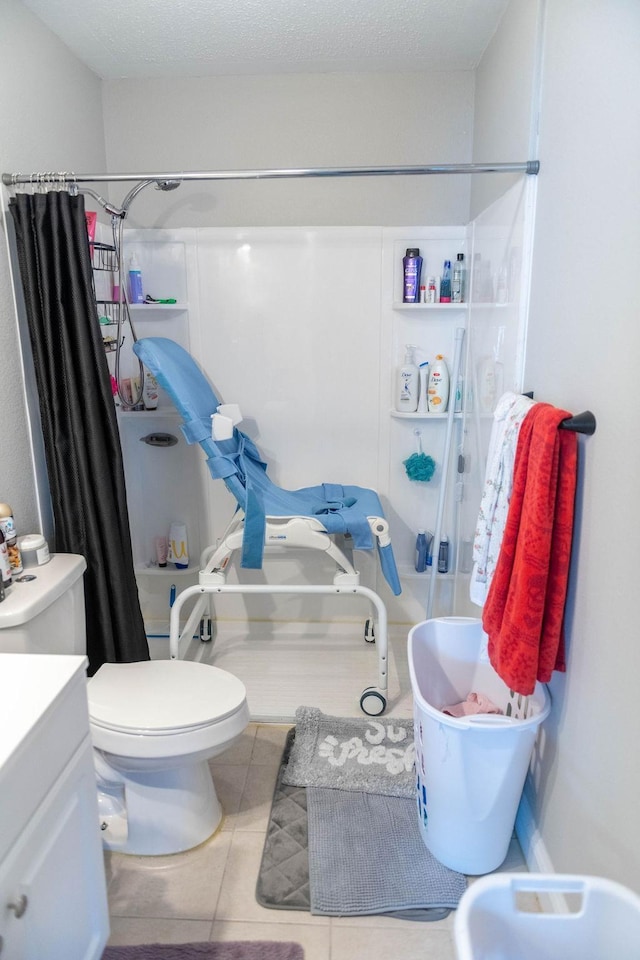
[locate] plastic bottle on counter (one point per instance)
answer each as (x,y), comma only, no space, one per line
(412,268)
(408,383)
(422,551)
(439,386)
(445,283)
(136,293)
(432,290)
(8,527)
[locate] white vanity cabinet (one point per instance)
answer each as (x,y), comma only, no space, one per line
(53,900)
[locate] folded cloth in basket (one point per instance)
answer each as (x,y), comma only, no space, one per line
(474,703)
(352,754)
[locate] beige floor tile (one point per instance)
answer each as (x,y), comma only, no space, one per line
(315,940)
(134,930)
(229,780)
(237,897)
(241,751)
(393,923)
(255,805)
(184,885)
(419,942)
(269,742)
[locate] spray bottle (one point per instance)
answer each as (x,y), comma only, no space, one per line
(408,382)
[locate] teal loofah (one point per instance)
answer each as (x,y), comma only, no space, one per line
(419,466)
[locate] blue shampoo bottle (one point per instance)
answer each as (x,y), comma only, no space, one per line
(136,293)
(412,267)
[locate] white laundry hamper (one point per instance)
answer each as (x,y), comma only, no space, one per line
(470,770)
(598,919)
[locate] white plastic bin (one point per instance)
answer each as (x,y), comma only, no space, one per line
(602,922)
(470,771)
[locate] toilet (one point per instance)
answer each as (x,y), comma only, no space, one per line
(154,724)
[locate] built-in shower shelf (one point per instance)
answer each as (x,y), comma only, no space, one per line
(152,308)
(399,415)
(164,412)
(408,572)
(165,571)
(430,306)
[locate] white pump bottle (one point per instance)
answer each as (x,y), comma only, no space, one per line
(439,386)
(408,383)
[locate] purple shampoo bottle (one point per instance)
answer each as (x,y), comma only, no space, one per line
(412,265)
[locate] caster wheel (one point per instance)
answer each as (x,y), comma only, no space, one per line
(372,702)
(369,631)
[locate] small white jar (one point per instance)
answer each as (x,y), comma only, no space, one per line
(34,549)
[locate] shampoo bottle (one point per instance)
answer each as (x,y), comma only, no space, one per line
(150,391)
(443,555)
(408,383)
(439,386)
(445,283)
(458,284)
(136,294)
(412,268)
(422,551)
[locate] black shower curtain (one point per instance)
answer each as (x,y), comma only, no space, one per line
(82,445)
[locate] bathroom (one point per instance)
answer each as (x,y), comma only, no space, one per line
(57,114)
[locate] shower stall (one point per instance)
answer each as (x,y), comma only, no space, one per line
(304,328)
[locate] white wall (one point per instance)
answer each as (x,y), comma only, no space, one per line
(583,351)
(506,87)
(584,342)
(51,119)
(324,120)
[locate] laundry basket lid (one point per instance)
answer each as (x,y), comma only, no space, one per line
(162,695)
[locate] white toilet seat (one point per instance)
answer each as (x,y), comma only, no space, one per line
(164,708)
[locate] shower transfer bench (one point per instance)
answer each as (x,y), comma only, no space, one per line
(331,518)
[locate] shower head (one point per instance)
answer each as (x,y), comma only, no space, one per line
(158,184)
(167,184)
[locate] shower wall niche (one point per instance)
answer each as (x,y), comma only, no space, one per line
(303,328)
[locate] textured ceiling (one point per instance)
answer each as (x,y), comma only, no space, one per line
(187,38)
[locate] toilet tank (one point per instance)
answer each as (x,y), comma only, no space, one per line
(43,610)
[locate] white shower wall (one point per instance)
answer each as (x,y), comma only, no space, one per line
(301,328)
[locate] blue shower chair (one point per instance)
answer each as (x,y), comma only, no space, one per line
(266,514)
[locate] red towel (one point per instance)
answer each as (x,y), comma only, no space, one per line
(524,611)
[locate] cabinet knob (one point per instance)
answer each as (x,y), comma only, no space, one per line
(19,905)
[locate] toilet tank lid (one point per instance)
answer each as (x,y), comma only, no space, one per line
(39,587)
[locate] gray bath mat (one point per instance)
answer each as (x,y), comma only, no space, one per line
(366,856)
(376,756)
(228,950)
(283,878)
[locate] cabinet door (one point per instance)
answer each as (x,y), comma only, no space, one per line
(54,875)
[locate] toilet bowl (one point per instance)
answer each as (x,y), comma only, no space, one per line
(155,725)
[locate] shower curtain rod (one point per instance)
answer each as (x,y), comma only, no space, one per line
(530,167)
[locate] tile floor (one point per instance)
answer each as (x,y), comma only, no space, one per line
(208,893)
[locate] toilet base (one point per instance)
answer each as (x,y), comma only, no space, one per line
(166,811)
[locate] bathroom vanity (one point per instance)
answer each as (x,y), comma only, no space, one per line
(53,900)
